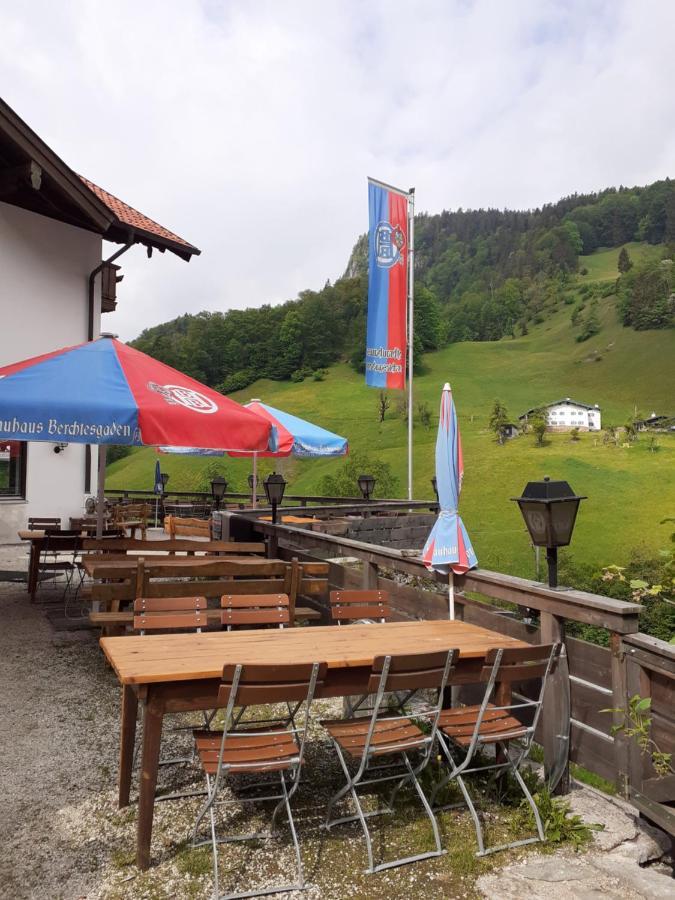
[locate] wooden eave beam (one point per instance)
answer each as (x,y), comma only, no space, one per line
(35,150)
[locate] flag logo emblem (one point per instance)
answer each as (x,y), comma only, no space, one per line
(186,397)
(389,242)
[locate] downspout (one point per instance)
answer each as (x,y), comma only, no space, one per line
(90,336)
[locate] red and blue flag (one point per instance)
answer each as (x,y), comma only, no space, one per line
(387,286)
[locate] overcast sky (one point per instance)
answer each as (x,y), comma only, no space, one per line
(249,127)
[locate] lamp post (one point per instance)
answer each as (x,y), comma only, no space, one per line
(366,485)
(218,488)
(274,485)
(549,509)
(164,478)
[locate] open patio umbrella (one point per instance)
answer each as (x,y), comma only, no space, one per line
(294,437)
(103,392)
(448,548)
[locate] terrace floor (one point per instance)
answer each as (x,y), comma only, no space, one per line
(62,836)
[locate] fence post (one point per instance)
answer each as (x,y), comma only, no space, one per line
(620,703)
(370,574)
(557,707)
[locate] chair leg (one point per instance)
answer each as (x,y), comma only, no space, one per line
(427,808)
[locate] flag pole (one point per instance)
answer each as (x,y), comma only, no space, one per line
(411,278)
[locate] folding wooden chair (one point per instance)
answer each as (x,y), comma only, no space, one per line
(255,611)
(58,554)
(154,614)
(364,607)
(277,750)
(365,741)
(465,730)
(49,523)
(359,606)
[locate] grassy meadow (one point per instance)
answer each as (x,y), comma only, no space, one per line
(629,488)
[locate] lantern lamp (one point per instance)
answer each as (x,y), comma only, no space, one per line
(218,488)
(549,509)
(274,485)
(366,485)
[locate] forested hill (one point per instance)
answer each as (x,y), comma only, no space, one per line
(480,275)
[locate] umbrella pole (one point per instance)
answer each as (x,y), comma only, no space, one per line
(451,596)
(100,493)
(254,490)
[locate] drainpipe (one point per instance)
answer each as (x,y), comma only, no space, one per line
(90,337)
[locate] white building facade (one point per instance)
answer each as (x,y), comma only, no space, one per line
(564,415)
(53,288)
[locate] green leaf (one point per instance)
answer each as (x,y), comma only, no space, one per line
(643,704)
(638,583)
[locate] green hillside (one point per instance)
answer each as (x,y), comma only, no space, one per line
(630,489)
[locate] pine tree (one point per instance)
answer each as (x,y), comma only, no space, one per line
(624,261)
(498,420)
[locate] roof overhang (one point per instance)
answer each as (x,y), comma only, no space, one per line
(33,177)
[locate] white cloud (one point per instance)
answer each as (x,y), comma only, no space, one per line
(250,128)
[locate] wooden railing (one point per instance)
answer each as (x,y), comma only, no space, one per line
(590,678)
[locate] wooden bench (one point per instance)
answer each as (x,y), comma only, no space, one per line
(189,527)
(212,580)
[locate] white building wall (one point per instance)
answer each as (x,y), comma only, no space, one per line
(44,273)
(571,415)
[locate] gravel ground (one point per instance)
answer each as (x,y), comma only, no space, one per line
(62,836)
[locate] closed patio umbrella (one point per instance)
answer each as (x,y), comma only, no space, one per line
(448,548)
(104,392)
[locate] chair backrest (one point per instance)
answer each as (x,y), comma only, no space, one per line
(62,542)
(250,685)
(176,526)
(411,671)
(407,672)
(169,614)
(35,523)
(515,664)
(255,610)
(351,606)
(131,511)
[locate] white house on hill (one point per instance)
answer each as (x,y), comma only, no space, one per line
(54,286)
(564,415)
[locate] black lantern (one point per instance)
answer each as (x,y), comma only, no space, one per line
(218,488)
(274,485)
(550,511)
(164,478)
(366,485)
(434,484)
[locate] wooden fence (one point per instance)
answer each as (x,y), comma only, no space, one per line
(589,679)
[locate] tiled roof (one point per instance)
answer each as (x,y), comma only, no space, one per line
(566,401)
(127,215)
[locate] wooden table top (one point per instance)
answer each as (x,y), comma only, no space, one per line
(183,657)
(96,562)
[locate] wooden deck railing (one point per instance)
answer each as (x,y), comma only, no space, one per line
(590,679)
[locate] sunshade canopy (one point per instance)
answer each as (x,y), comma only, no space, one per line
(104,392)
(294,437)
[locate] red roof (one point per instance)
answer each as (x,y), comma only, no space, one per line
(127,215)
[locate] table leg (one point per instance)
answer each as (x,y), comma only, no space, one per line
(152,736)
(33,568)
(127,742)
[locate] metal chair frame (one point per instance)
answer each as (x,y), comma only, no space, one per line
(60,543)
(287,788)
(423,743)
(504,762)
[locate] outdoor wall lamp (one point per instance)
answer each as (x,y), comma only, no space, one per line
(550,511)
(218,488)
(274,485)
(59,448)
(366,485)
(164,479)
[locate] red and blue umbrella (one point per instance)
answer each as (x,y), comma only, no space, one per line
(104,392)
(294,437)
(448,549)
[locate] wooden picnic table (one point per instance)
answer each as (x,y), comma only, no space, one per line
(182,672)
